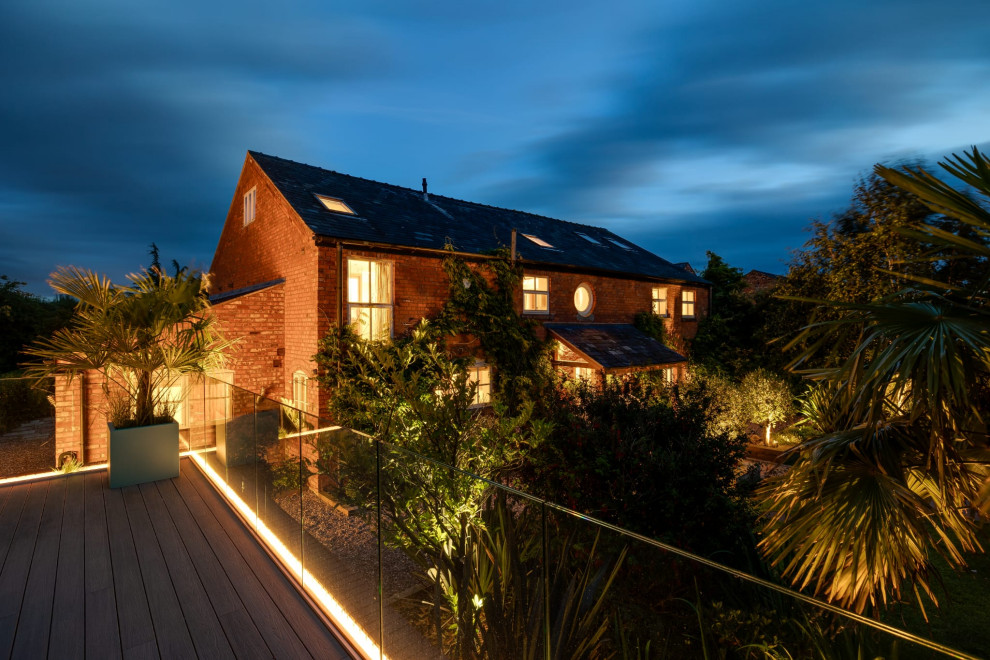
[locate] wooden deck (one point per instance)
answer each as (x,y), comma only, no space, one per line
(159,570)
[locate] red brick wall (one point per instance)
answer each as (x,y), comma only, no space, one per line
(257,321)
(617,300)
(277,244)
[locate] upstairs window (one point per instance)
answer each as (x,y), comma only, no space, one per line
(536,294)
(660,301)
(369,298)
(687,304)
(249,199)
(335,205)
(481,375)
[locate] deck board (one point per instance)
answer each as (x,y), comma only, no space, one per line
(13,579)
(31,640)
(65,639)
(164,570)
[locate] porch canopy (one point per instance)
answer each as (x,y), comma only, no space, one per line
(614,348)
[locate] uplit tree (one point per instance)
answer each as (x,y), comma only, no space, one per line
(765,399)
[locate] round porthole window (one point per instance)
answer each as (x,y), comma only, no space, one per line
(584,299)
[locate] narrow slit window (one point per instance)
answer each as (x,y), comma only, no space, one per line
(249,203)
(536,294)
(335,205)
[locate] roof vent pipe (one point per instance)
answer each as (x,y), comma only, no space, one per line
(426,195)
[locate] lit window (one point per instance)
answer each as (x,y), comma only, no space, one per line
(536,294)
(539,241)
(583,373)
(660,301)
(334,204)
(584,299)
(687,304)
(668,375)
(481,375)
(588,238)
(249,198)
(299,398)
(369,298)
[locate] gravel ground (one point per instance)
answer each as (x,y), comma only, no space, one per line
(353,540)
(28,449)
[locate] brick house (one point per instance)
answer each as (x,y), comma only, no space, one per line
(304,247)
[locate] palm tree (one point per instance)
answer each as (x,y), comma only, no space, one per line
(141,336)
(903,453)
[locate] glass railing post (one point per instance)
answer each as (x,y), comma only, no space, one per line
(302,488)
(546,580)
(381,584)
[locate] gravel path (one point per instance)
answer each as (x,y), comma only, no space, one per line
(28,449)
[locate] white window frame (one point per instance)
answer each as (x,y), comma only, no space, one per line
(390,306)
(536,293)
(659,305)
(481,373)
(250,205)
(584,313)
(300,390)
(688,300)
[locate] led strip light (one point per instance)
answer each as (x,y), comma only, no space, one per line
(330,605)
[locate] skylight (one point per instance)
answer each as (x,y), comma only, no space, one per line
(335,205)
(539,241)
(588,238)
(616,243)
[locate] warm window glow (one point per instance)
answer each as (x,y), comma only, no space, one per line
(583,373)
(300,400)
(536,294)
(584,299)
(660,301)
(687,304)
(480,374)
(539,241)
(249,199)
(369,297)
(334,204)
(668,375)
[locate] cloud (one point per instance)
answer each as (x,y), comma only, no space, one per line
(732,103)
(125,121)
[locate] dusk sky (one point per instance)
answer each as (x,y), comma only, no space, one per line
(683,126)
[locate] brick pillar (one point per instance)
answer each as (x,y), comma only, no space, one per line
(69,423)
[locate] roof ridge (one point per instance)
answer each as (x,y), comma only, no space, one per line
(432,195)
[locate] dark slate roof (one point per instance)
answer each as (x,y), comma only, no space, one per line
(243,291)
(401,216)
(615,345)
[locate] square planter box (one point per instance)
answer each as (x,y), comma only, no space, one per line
(143,453)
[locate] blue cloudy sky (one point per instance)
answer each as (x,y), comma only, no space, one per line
(685,126)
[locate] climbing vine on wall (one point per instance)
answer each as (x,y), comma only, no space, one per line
(480,304)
